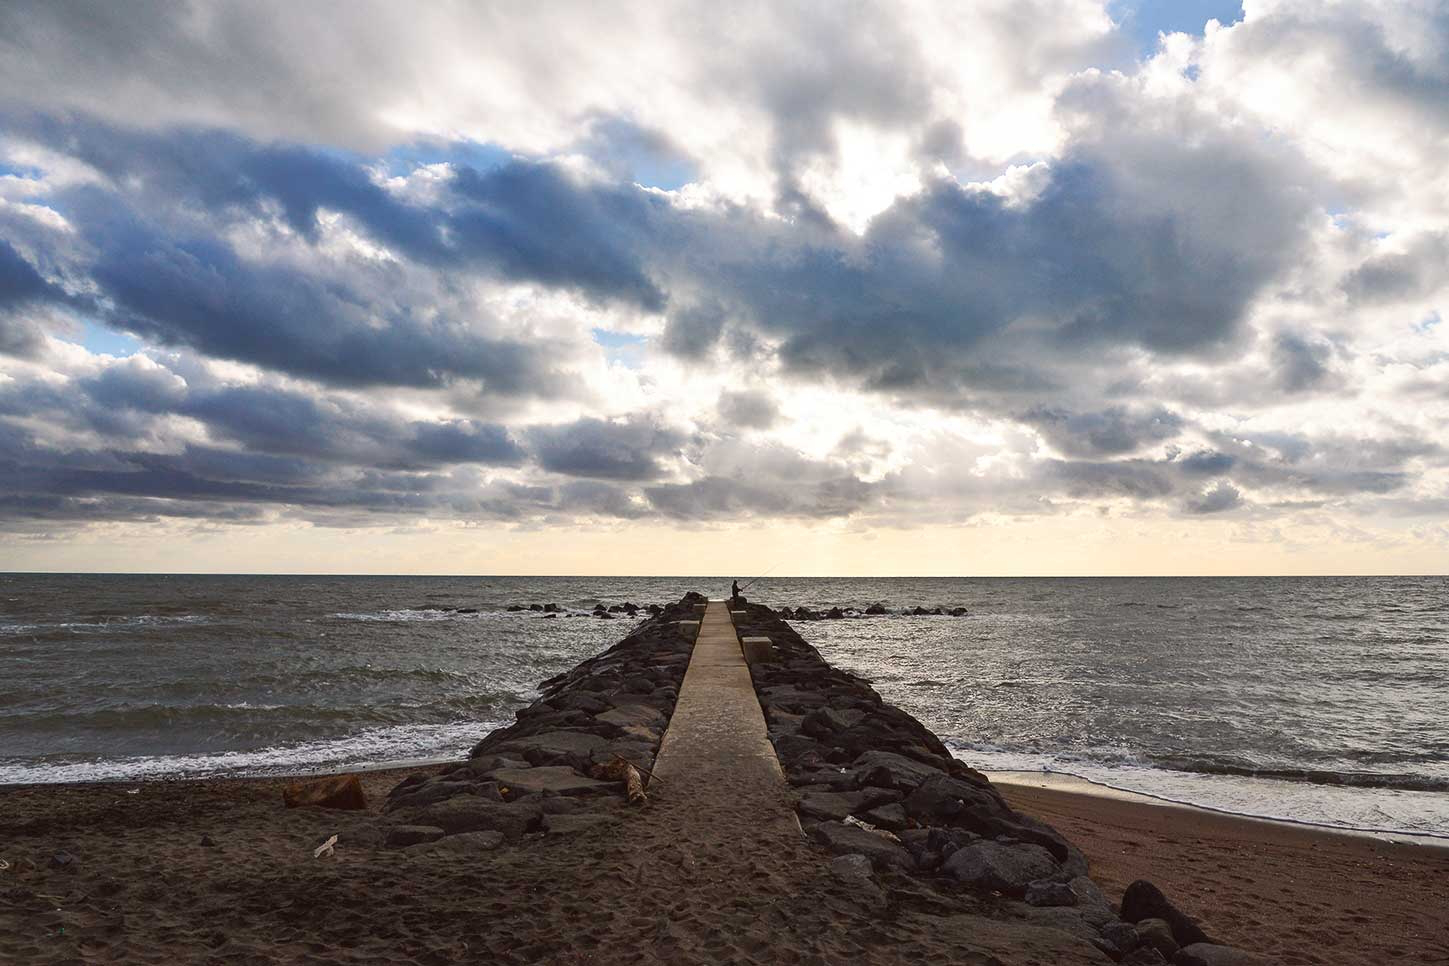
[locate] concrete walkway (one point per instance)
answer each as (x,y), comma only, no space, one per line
(717,739)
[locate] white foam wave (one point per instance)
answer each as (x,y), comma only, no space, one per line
(403,743)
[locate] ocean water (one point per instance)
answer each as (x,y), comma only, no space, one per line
(1321,700)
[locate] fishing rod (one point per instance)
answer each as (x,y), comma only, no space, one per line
(765,574)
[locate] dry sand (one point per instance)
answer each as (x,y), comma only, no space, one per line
(1301,894)
(652,888)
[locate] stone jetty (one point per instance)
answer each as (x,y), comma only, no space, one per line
(786,776)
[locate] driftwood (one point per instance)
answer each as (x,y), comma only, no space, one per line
(620,770)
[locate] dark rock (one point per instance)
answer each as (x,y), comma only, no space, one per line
(1122,936)
(549,780)
(603,615)
(890,770)
(516,607)
(1143,900)
(1210,954)
(467,610)
(892,817)
(824,723)
(831,806)
(791,747)
(940,799)
(875,610)
(401,836)
(550,608)
(958,612)
(1157,934)
(985,864)
(846,839)
(1045,892)
(1092,901)
(835,614)
(62,860)
(852,866)
(207,842)
(555,748)
(535,607)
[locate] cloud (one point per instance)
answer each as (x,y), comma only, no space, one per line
(1111,431)
(748,409)
(1220,498)
(630,449)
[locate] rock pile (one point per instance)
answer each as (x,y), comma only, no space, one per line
(628,609)
(803,613)
(874,782)
(556,769)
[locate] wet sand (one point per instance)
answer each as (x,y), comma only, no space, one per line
(1301,894)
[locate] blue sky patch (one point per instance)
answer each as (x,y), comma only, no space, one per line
(1143,20)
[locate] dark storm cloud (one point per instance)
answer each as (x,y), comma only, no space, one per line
(1300,362)
(1109,432)
(628,450)
(21,286)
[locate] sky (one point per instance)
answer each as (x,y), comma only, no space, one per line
(1009,287)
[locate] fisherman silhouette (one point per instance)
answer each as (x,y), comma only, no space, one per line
(734,590)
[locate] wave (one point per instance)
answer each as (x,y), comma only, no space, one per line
(398,745)
(1309,776)
(110,623)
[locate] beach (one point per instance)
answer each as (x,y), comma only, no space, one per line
(1272,886)
(141,888)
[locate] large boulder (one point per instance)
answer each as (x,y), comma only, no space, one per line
(1143,900)
(549,780)
(1008,869)
(890,770)
(338,791)
(844,839)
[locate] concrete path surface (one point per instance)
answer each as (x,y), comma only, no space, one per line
(717,736)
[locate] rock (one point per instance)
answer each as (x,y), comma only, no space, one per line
(464,843)
(516,607)
(958,612)
(571,824)
(535,607)
(830,806)
(549,780)
(1092,901)
(1210,954)
(847,839)
(890,770)
(1143,900)
(1045,892)
(402,836)
(62,860)
(338,791)
(467,610)
(875,610)
(550,608)
(468,813)
(851,866)
(207,842)
(433,791)
(835,614)
(891,817)
(823,723)
(1142,956)
(1122,936)
(555,748)
(1157,934)
(940,799)
(985,864)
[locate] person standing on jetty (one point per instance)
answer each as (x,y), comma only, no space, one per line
(734,590)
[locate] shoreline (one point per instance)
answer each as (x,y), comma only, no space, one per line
(1063,783)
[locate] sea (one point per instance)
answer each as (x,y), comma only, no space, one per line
(1321,700)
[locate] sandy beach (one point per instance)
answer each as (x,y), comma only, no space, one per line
(140,887)
(1273,887)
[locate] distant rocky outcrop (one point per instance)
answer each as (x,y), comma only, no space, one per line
(803,613)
